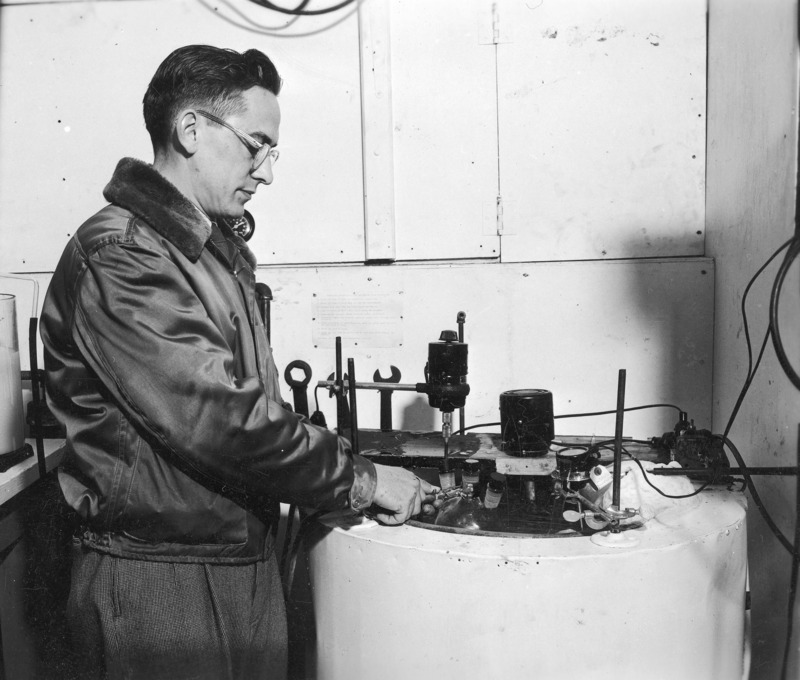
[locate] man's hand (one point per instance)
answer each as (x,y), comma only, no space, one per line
(400,494)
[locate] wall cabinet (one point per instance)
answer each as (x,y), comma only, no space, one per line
(459,129)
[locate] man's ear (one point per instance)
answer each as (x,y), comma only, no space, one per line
(186,131)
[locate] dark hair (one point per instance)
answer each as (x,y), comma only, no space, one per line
(201,75)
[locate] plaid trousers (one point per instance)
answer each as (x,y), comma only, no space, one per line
(134,619)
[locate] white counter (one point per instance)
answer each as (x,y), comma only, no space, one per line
(24,474)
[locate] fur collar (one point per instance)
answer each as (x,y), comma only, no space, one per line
(138,187)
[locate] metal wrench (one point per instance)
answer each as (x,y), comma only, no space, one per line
(298,386)
(386,397)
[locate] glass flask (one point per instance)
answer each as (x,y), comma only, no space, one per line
(462,511)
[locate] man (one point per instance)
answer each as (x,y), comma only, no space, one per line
(179,447)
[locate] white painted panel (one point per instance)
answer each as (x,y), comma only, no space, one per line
(377,130)
(566,327)
(72,107)
(602,128)
(445,134)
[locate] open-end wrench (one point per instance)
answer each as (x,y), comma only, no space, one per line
(299,395)
(386,397)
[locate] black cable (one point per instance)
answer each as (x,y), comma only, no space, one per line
(773,330)
(630,408)
(299,11)
(666,495)
(756,498)
(751,372)
(246,23)
(580,415)
(753,368)
(607,443)
(472,427)
(774,325)
(744,307)
(746,387)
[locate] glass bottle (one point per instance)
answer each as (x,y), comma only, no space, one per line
(470,474)
(447,476)
(494,490)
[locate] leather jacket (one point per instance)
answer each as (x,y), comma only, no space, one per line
(179,446)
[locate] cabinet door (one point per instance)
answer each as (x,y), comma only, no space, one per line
(444,131)
(602,128)
(71,108)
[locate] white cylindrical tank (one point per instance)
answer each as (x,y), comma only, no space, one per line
(666,601)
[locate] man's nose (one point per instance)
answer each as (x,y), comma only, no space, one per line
(263,173)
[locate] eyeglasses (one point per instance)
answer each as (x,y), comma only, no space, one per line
(260,151)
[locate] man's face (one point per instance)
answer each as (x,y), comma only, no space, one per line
(224,178)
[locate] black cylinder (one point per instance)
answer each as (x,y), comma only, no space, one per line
(526,422)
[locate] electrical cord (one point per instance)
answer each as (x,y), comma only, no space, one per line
(244,21)
(751,367)
(607,445)
(774,325)
(630,408)
(756,498)
(751,372)
(473,427)
(579,415)
(773,331)
(744,299)
(229,12)
(299,10)
(666,495)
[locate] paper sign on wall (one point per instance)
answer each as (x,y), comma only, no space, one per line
(373,320)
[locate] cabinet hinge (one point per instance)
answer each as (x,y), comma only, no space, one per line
(495,24)
(499,215)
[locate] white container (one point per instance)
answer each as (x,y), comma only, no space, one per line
(12,420)
(665,603)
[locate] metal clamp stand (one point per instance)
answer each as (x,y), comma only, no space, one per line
(37,397)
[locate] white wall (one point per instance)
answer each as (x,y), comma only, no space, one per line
(752,155)
(565,327)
